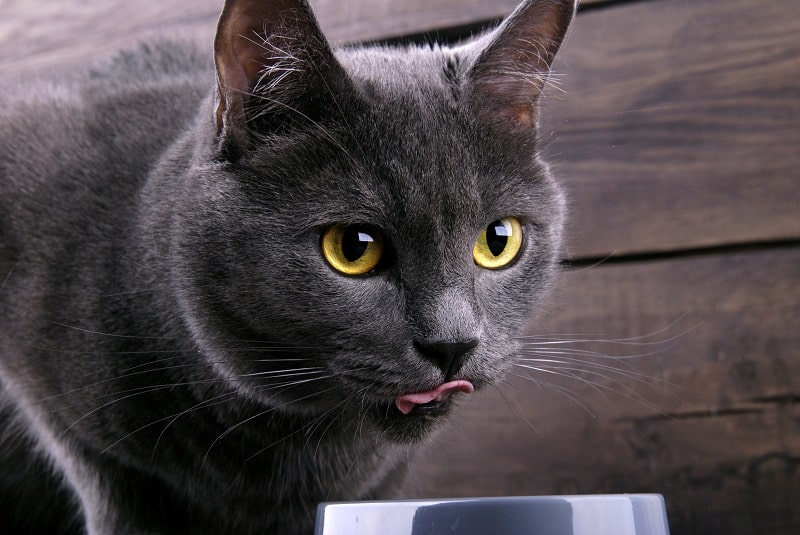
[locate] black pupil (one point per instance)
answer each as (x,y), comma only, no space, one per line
(355,241)
(497,237)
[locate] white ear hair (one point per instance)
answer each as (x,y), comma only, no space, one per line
(511,70)
(266,47)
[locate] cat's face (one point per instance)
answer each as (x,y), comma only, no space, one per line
(381,234)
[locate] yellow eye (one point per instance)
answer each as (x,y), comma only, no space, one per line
(352,249)
(498,244)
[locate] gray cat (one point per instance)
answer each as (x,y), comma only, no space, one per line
(224,300)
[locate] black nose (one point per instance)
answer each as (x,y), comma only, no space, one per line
(448,356)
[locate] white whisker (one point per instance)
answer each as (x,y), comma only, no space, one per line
(171,417)
(285,373)
(564,391)
(266,411)
(516,406)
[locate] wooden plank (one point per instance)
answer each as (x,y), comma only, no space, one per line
(680,125)
(36,34)
(711,419)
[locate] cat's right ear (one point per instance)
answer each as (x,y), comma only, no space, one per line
(509,74)
(273,63)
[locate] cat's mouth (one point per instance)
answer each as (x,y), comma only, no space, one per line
(410,417)
(432,402)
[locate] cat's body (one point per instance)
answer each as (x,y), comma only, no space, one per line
(174,341)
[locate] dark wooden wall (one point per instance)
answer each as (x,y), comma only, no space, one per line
(677,135)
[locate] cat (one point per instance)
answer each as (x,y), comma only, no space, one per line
(232,289)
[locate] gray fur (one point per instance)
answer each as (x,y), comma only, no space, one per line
(172,341)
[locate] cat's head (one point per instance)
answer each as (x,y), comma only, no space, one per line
(370,226)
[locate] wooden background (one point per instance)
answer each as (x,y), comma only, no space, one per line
(677,135)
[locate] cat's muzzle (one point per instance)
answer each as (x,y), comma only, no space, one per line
(432,402)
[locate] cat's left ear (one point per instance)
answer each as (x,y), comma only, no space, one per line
(272,62)
(509,74)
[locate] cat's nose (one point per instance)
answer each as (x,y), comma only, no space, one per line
(448,356)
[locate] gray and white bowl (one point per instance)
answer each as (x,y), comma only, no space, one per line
(624,514)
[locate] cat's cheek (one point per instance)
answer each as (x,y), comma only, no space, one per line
(490,368)
(510,298)
(503,298)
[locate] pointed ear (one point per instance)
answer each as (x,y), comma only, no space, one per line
(270,56)
(510,72)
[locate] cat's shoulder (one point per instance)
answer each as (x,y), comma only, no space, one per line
(156,62)
(112,118)
(145,65)
(139,91)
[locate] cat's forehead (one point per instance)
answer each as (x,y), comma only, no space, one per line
(430,184)
(412,156)
(404,70)
(412,127)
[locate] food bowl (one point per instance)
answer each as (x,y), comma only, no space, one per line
(609,514)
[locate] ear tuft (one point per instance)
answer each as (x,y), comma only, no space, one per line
(270,56)
(513,68)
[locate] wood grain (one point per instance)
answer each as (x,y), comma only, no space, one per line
(710,418)
(679,126)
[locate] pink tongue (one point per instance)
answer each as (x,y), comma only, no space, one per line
(407,402)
